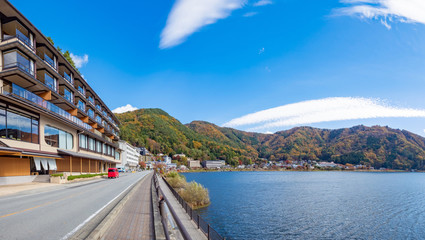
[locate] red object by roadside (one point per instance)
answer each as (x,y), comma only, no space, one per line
(113,173)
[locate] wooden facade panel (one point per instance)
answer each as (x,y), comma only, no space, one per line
(93,166)
(63,164)
(10,166)
(75,164)
(85,165)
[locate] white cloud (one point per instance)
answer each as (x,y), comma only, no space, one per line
(188,16)
(410,11)
(263,3)
(322,110)
(261,51)
(123,109)
(80,60)
(250,14)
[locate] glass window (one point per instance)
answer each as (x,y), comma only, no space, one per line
(81,105)
(50,81)
(113,152)
(90,112)
(117,156)
(99,119)
(98,146)
(91,99)
(83,141)
(16,59)
(81,89)
(58,138)
(67,77)
(109,150)
(98,107)
(67,94)
(48,60)
(105,149)
(2,123)
(34,129)
(17,126)
(91,144)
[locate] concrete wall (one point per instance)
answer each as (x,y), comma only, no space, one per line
(16,180)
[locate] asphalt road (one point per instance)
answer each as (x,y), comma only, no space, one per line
(55,213)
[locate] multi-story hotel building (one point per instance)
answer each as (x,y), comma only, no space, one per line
(51,120)
(130,156)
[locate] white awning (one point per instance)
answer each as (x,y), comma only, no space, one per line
(52,164)
(37,163)
(44,162)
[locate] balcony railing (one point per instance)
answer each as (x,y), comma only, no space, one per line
(50,61)
(19,92)
(21,37)
(68,78)
(21,66)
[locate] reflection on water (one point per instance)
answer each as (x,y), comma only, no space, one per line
(315,205)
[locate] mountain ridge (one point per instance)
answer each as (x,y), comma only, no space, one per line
(374,146)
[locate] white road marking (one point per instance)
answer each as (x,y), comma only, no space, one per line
(94,214)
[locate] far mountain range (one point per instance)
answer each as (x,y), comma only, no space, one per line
(374,146)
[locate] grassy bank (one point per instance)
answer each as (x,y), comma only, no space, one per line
(193,193)
(70,178)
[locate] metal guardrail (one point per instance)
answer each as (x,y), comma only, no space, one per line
(199,221)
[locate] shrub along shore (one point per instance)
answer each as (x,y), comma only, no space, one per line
(193,193)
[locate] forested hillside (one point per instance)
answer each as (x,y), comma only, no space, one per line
(376,146)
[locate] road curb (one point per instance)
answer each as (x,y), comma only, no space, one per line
(96,228)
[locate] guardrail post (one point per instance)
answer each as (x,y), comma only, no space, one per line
(198,221)
(208,232)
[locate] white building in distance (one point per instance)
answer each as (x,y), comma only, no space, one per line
(129,156)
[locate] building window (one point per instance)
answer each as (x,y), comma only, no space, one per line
(90,112)
(50,81)
(105,149)
(83,141)
(67,94)
(18,126)
(99,119)
(98,146)
(98,107)
(17,59)
(109,150)
(81,105)
(58,138)
(113,152)
(91,144)
(81,90)
(117,156)
(91,99)
(67,77)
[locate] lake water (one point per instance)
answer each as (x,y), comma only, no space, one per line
(315,205)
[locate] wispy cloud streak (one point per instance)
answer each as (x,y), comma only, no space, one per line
(322,110)
(262,3)
(410,11)
(188,16)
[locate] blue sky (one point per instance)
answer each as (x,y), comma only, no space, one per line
(226,61)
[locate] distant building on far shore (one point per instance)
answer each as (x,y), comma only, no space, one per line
(213,164)
(194,164)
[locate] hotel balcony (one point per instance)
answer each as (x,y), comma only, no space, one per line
(13,31)
(18,92)
(47,56)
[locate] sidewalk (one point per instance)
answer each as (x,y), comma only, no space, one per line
(35,187)
(27,187)
(135,220)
